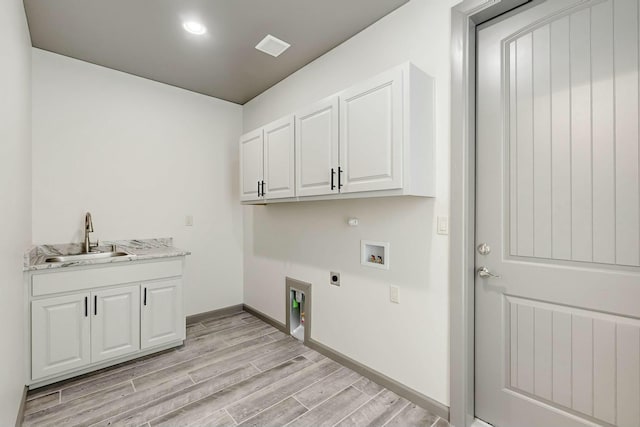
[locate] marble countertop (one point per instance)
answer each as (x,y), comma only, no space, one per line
(143,249)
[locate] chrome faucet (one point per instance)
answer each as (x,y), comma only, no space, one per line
(88,228)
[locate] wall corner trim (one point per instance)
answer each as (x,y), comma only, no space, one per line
(268,319)
(23,403)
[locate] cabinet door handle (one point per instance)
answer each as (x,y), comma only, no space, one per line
(95,305)
(258,188)
(86,306)
(340,177)
(263,193)
(333,172)
(145,296)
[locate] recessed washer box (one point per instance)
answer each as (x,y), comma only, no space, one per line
(374,254)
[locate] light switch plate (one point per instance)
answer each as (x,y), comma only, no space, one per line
(394,294)
(443,225)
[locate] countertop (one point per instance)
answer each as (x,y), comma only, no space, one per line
(138,250)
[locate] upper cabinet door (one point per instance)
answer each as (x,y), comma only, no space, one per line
(371,134)
(162,316)
(60,335)
(317,137)
(279,169)
(115,323)
(251,165)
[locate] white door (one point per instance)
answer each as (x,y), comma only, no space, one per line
(251,165)
(60,335)
(557,202)
(317,149)
(162,317)
(371,134)
(279,158)
(115,323)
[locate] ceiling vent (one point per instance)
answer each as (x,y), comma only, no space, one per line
(272,45)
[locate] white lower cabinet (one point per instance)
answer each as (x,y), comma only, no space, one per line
(77,327)
(161,316)
(115,323)
(60,334)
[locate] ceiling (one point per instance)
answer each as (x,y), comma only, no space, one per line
(146,38)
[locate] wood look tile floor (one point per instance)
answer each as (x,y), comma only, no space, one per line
(232,370)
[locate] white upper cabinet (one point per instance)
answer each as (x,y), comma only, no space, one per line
(371,140)
(279,159)
(316,140)
(60,334)
(251,165)
(115,323)
(371,134)
(387,135)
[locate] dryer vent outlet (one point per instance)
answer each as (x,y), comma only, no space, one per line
(298,320)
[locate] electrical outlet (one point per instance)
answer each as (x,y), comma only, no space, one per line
(334,278)
(394,294)
(188,221)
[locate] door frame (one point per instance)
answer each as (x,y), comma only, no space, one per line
(465,17)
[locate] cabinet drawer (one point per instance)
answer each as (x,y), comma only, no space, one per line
(66,281)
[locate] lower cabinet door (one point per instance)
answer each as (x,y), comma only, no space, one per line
(60,335)
(115,322)
(162,314)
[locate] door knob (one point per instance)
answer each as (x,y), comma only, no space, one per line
(486,274)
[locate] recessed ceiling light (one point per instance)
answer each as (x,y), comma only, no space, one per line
(194,27)
(272,45)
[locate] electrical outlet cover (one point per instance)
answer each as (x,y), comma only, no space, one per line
(334,278)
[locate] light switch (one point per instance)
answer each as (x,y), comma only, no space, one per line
(394,294)
(188,221)
(443,225)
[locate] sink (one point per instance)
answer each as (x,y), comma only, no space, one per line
(86,256)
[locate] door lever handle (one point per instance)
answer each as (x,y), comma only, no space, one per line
(486,274)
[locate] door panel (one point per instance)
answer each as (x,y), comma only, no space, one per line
(625,64)
(279,166)
(569,355)
(60,337)
(571,200)
(602,95)
(558,333)
(317,148)
(162,319)
(371,134)
(251,164)
(115,323)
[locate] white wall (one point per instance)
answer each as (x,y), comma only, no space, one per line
(407,342)
(15,198)
(140,155)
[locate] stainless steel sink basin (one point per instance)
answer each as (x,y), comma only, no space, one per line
(86,256)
